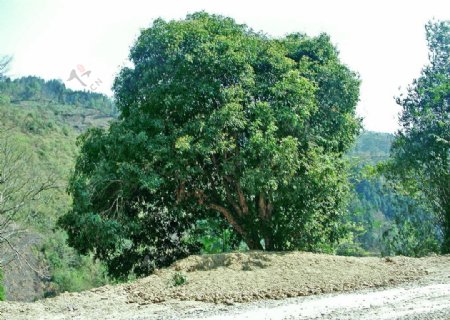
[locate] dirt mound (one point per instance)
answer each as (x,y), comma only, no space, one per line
(234,261)
(188,285)
(244,277)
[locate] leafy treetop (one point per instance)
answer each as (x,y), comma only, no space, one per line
(216,120)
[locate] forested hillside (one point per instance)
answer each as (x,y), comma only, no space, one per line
(53,91)
(387,221)
(39,124)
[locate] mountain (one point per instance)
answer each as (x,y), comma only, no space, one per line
(371,147)
(39,123)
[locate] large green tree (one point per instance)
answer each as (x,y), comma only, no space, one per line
(421,150)
(216,121)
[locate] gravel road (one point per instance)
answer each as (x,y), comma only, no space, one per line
(424,302)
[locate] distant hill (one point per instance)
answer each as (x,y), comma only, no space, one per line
(53,92)
(386,222)
(43,120)
(372,147)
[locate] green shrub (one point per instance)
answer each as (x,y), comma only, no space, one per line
(179,279)
(351,250)
(5,99)
(216,236)
(70,271)
(410,239)
(2,290)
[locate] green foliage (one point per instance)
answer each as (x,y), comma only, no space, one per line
(216,235)
(4,99)
(412,234)
(382,218)
(70,271)
(2,289)
(53,91)
(216,120)
(371,148)
(179,279)
(421,149)
(351,249)
(44,134)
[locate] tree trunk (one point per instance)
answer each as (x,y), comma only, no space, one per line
(249,238)
(265,213)
(253,244)
(446,228)
(445,206)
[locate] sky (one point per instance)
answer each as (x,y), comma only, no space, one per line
(384,41)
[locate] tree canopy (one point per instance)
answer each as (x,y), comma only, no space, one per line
(421,149)
(216,121)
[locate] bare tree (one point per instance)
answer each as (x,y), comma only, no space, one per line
(4,65)
(20,188)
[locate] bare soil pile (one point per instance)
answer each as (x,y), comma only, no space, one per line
(226,278)
(244,277)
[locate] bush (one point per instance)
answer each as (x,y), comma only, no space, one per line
(70,271)
(179,279)
(2,290)
(216,236)
(4,99)
(351,250)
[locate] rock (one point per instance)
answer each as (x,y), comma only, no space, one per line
(229,302)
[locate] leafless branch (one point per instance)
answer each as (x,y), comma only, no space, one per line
(4,65)
(21,186)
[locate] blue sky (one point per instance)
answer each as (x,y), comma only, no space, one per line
(382,40)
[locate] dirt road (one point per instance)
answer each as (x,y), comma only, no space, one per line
(424,302)
(256,286)
(424,299)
